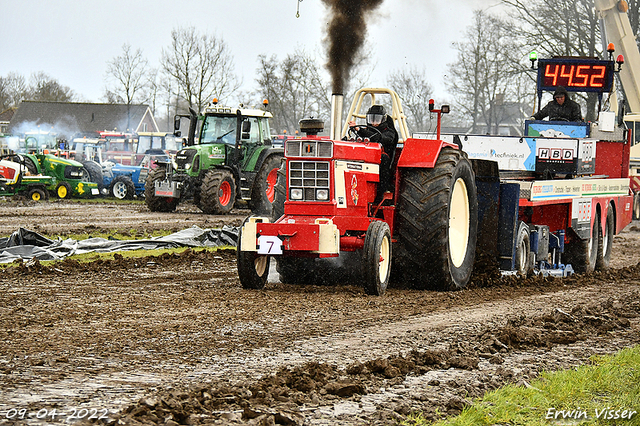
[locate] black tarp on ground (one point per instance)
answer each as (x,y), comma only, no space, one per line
(25,244)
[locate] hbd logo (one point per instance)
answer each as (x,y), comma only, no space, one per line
(556,154)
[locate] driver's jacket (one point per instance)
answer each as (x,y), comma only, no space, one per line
(388,136)
(569,110)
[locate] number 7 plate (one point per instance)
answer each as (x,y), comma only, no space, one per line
(268,244)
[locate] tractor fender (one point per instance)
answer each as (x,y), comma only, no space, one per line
(266,153)
(422,153)
(269,151)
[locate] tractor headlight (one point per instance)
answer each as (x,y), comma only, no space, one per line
(322,194)
(187,166)
(296,194)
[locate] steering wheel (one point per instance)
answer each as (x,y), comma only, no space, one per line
(353,133)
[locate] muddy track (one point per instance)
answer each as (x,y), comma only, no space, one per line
(176,340)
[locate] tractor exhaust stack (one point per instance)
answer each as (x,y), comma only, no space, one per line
(336,115)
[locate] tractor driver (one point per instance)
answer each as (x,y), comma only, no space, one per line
(380,129)
(561,108)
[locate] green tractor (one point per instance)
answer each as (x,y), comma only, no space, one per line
(232,161)
(69,178)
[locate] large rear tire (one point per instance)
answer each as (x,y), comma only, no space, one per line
(218,192)
(583,254)
(253,268)
(605,241)
(263,193)
(376,258)
(153,202)
(37,194)
(28,163)
(437,222)
(294,270)
(280,193)
(95,173)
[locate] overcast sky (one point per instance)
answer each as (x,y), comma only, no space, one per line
(72,41)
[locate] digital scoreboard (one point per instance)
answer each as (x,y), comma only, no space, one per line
(575,74)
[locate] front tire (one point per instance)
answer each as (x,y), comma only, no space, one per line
(263,193)
(153,202)
(63,190)
(253,268)
(376,258)
(218,192)
(122,188)
(437,223)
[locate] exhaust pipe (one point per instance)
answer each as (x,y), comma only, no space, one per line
(336,115)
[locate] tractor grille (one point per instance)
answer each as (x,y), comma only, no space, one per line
(184,157)
(308,180)
(305,148)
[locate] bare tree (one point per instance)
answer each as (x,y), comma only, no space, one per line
(487,77)
(45,88)
(559,28)
(200,65)
(295,89)
(414,90)
(127,77)
(13,90)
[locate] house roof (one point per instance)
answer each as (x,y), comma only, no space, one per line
(70,118)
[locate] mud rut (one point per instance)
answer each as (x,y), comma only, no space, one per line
(175,340)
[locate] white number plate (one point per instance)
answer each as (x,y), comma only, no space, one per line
(269,245)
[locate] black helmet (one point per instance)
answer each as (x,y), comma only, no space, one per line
(376,115)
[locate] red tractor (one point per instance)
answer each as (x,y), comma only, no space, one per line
(548,202)
(325,205)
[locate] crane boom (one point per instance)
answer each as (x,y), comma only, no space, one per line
(618,31)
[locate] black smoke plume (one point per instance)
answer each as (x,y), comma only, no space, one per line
(345,36)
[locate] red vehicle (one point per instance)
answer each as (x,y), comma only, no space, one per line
(120,147)
(558,217)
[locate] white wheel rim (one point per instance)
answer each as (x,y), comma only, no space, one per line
(459,219)
(383,265)
(522,257)
(119,190)
(260,263)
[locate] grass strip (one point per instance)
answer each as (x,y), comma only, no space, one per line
(605,391)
